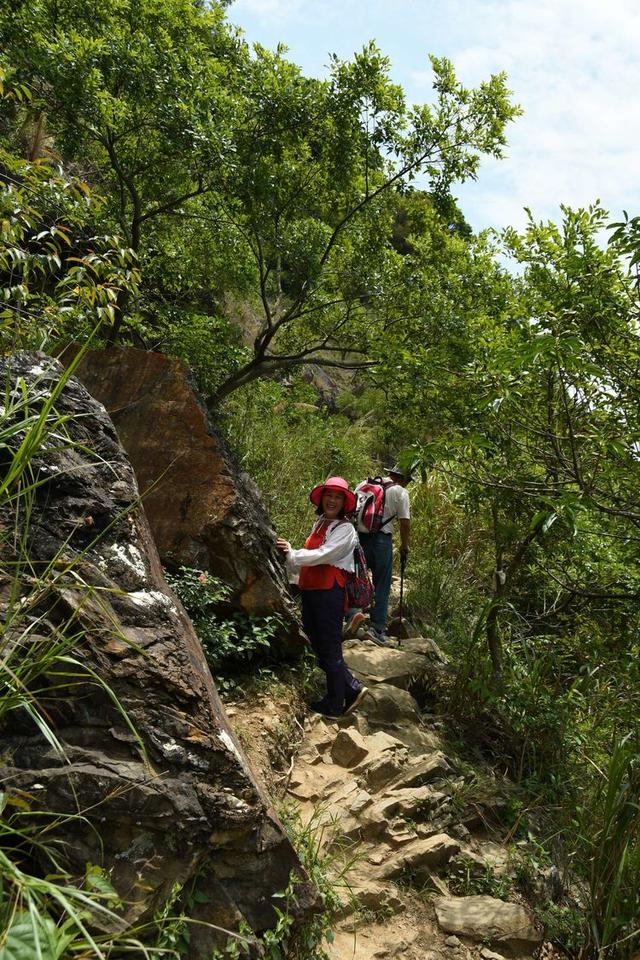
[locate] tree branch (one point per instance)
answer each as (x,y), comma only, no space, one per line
(174,202)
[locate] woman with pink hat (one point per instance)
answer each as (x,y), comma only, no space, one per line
(322,567)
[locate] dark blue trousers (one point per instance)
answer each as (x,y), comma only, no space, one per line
(378,550)
(322,612)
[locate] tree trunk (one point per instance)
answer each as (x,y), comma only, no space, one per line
(502,580)
(494,641)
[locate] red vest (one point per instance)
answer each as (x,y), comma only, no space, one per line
(323,576)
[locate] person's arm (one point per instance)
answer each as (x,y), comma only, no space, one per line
(404,519)
(340,542)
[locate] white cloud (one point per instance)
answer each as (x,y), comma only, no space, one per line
(573,66)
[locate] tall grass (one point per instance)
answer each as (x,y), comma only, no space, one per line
(445,560)
(40,917)
(608,835)
(288,445)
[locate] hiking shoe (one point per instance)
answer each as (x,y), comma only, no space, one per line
(354,699)
(351,626)
(322,707)
(378,638)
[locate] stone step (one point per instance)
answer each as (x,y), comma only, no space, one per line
(420,857)
(372,664)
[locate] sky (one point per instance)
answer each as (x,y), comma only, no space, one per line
(572,65)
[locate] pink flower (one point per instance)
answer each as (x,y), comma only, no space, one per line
(203,578)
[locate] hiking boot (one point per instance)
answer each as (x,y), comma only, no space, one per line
(353,623)
(323,708)
(353,699)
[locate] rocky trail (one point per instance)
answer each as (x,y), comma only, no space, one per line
(389,804)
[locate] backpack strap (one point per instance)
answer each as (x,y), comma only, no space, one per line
(385,484)
(388,520)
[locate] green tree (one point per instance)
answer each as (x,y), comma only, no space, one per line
(56,276)
(139,94)
(320,165)
(139,89)
(293,179)
(546,443)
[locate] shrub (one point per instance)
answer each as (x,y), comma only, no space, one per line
(59,281)
(229,643)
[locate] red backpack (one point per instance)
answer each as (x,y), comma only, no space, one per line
(369,512)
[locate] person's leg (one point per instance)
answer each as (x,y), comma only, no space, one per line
(379,553)
(313,622)
(313,602)
(353,690)
(329,607)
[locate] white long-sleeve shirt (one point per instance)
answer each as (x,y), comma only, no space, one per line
(339,543)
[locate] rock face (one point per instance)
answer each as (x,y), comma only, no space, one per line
(203,512)
(150,762)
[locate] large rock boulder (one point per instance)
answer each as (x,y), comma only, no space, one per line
(203,511)
(149,762)
(390,706)
(493,921)
(384,665)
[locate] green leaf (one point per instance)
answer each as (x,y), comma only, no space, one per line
(34,936)
(537,519)
(97,880)
(199,897)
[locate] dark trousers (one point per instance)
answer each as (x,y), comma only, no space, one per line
(322,612)
(378,550)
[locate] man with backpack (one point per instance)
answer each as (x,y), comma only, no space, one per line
(381,501)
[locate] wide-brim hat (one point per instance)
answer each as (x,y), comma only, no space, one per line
(396,470)
(340,485)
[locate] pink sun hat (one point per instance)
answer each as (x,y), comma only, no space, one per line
(340,485)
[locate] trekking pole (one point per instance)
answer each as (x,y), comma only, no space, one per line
(403,563)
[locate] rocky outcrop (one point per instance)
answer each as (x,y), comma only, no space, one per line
(146,759)
(203,511)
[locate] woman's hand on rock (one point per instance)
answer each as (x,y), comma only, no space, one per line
(283,545)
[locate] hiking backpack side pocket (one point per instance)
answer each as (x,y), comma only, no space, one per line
(359,588)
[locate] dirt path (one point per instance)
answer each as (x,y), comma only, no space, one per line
(381,792)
